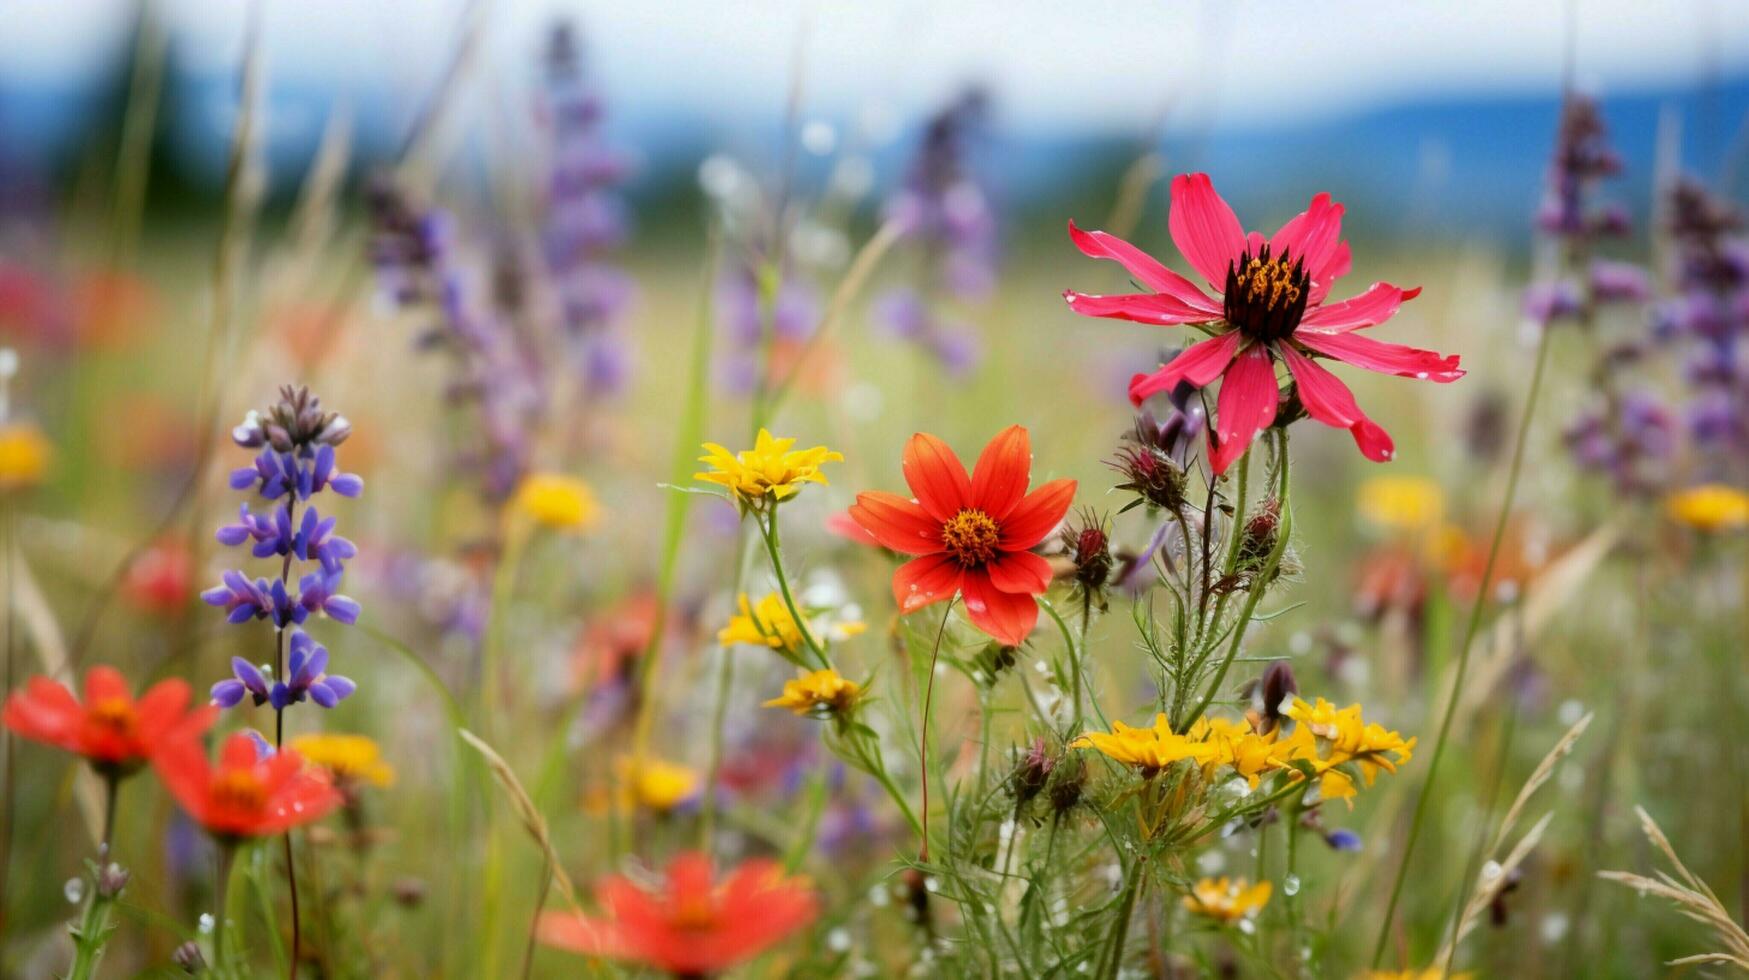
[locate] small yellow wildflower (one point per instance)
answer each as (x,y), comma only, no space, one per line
(1401,503)
(351,758)
(820,693)
(770,468)
(1237,745)
(557,501)
(1149,749)
(1328,737)
(1227,900)
(1711,507)
(769,624)
(24,456)
(657,785)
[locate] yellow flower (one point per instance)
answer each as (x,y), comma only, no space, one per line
(769,468)
(1238,745)
(1711,507)
(1401,503)
(655,784)
(1327,737)
(24,455)
(351,758)
(1227,900)
(819,693)
(1149,749)
(769,624)
(556,501)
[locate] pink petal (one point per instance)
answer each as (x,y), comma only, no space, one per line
(1199,364)
(1378,304)
(1337,266)
(1374,355)
(1140,307)
(1204,228)
(1310,236)
(1329,401)
(1147,269)
(1247,405)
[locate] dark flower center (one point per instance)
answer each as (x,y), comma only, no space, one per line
(970,536)
(1266,297)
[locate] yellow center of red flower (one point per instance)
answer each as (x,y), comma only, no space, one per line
(970,536)
(114,714)
(239,789)
(696,913)
(1266,297)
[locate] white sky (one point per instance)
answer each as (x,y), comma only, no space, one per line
(1101,63)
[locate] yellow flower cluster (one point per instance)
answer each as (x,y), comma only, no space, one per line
(560,502)
(1227,900)
(770,468)
(24,456)
(1324,736)
(1329,737)
(1149,749)
(1711,507)
(350,758)
(818,693)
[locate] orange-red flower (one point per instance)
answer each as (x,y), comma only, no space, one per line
(693,927)
(250,793)
(972,533)
(111,729)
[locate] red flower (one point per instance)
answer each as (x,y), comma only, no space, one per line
(1267,303)
(973,533)
(249,794)
(111,729)
(694,927)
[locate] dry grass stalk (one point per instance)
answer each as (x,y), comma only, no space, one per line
(1693,898)
(523,805)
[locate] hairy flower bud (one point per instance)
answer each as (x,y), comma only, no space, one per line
(1032,772)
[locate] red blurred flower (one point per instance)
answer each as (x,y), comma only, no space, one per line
(1267,303)
(111,729)
(248,794)
(161,580)
(972,533)
(844,526)
(694,927)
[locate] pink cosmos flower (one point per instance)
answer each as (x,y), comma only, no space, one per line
(1265,302)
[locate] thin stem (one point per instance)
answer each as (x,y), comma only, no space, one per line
(1463,664)
(111,789)
(923,736)
(1112,959)
(546,884)
(1283,532)
(221,896)
(725,683)
(768,530)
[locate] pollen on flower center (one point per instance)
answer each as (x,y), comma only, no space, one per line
(694,913)
(240,790)
(1266,297)
(970,536)
(114,714)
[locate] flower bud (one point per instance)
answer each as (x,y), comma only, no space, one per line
(1032,772)
(188,956)
(111,880)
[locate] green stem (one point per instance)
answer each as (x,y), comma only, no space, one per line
(1112,959)
(725,683)
(221,897)
(91,935)
(923,736)
(1463,664)
(1283,532)
(768,531)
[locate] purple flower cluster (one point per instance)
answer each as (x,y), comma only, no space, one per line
(1710,309)
(585,218)
(946,215)
(419,267)
(309,680)
(297,442)
(794,315)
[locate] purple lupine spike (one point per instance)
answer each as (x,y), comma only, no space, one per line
(308,678)
(247,680)
(319,592)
